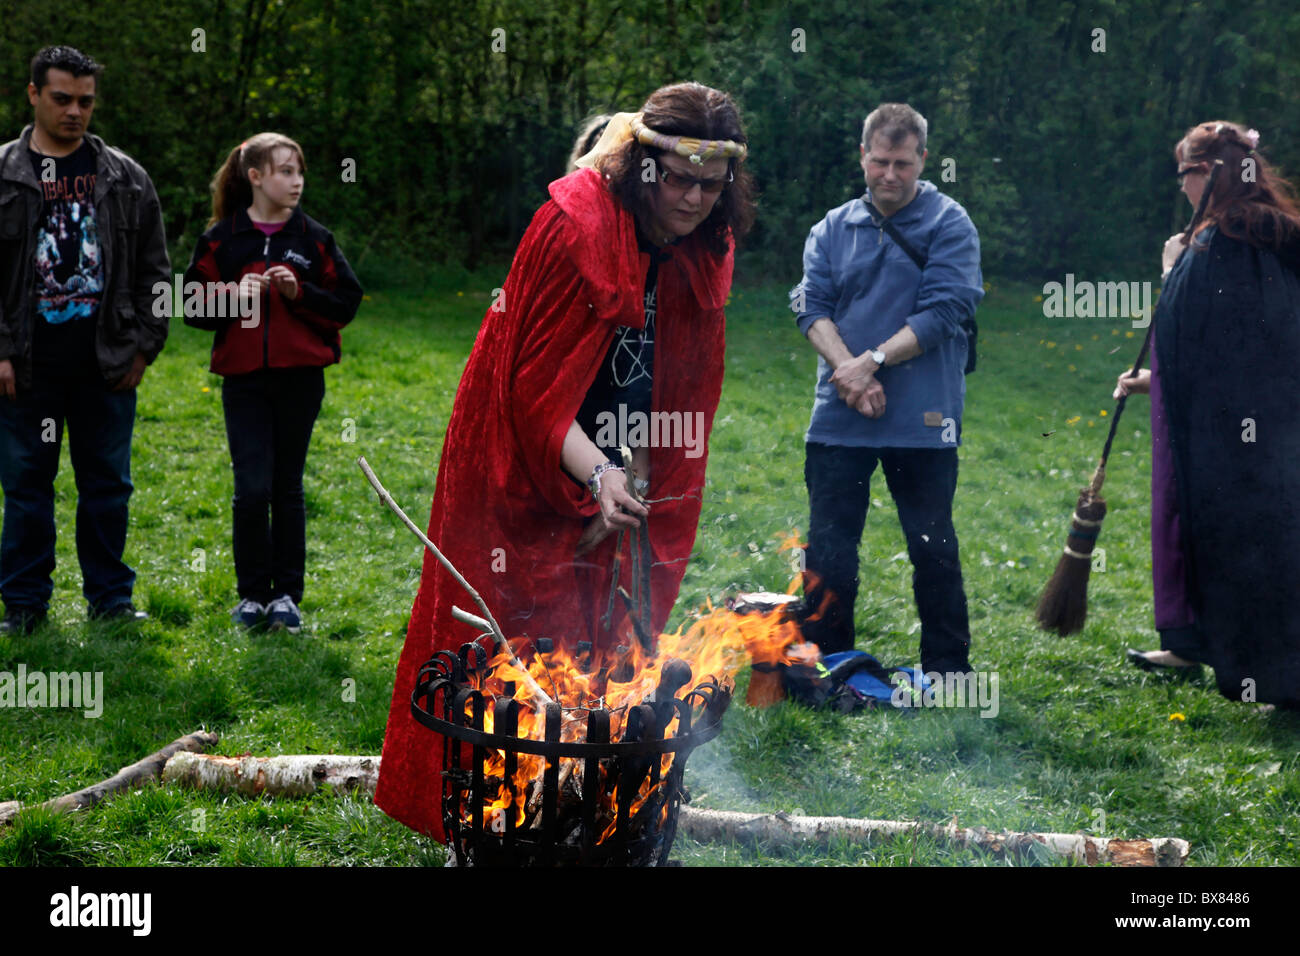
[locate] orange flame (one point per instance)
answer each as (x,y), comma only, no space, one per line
(717,644)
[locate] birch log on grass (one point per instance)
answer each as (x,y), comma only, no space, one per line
(288,776)
(781,829)
(300,775)
(137,773)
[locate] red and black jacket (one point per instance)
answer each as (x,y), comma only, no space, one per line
(303,333)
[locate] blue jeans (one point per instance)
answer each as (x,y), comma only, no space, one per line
(922,482)
(99,424)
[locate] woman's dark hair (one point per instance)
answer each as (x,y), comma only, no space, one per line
(231,189)
(1251,201)
(687,109)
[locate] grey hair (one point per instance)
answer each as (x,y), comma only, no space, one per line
(896,121)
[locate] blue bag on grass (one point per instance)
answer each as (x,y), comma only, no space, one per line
(849,680)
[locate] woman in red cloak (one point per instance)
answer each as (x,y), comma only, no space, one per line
(611,319)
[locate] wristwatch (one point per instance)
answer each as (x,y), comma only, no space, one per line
(878,356)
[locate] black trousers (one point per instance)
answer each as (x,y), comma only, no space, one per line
(269,419)
(922,482)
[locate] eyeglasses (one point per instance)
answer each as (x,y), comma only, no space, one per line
(1194,168)
(678,182)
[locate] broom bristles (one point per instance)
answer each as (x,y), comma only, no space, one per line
(1063,606)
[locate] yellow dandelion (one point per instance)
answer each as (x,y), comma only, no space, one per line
(460,293)
(365,298)
(1078,348)
(1051,345)
(1177,716)
(205,389)
(1103,413)
(1128,334)
(1072,368)
(1114,331)
(1074,420)
(1091,423)
(1038,298)
(987,286)
(1094,338)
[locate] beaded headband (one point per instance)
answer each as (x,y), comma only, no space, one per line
(625,126)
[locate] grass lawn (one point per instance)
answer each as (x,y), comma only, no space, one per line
(1081,740)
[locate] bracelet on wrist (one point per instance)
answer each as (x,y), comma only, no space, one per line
(593,483)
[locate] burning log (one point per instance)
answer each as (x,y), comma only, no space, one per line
(137,773)
(287,776)
(781,829)
(595,780)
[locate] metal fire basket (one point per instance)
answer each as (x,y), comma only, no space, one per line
(571,832)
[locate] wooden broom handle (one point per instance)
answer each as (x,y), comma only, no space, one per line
(1099,476)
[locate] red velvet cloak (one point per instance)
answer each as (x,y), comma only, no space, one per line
(504,511)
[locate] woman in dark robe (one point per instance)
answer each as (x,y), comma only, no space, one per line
(612,312)
(1225,426)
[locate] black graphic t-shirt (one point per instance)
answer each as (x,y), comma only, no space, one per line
(626,376)
(69,261)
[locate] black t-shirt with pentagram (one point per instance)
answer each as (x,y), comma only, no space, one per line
(69,259)
(626,376)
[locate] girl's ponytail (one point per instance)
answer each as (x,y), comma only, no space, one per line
(230,187)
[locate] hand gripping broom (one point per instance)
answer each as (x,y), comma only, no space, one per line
(1063,606)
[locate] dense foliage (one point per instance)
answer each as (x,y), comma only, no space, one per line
(457,114)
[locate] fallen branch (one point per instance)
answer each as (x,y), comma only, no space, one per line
(539,695)
(288,776)
(782,829)
(300,775)
(137,773)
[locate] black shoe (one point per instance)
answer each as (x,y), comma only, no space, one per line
(1141,660)
(21,621)
(118,614)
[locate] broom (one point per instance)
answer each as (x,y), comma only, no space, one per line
(1063,606)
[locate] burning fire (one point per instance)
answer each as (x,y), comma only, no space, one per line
(716,644)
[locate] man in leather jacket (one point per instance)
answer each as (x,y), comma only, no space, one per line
(81,249)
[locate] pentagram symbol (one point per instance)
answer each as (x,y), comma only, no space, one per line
(632,348)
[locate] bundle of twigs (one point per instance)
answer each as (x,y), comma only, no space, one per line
(1063,606)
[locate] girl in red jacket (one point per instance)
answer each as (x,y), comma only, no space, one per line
(294,292)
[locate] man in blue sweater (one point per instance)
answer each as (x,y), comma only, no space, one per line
(890,384)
